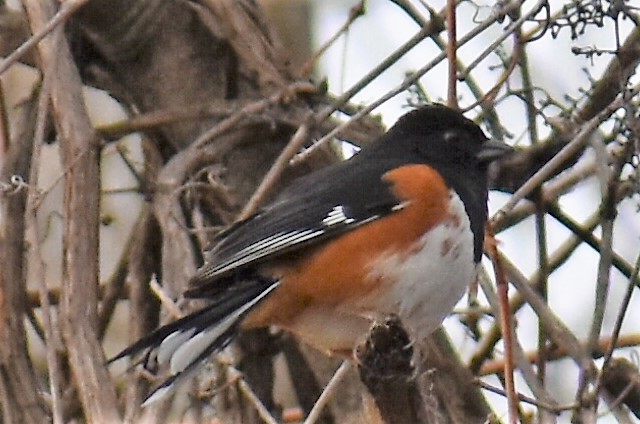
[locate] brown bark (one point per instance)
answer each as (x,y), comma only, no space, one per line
(386,369)
(19,388)
(419,383)
(80,149)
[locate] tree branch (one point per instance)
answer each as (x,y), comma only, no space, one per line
(80,155)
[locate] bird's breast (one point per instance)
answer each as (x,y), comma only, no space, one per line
(423,284)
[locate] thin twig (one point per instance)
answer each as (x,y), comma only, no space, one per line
(327,393)
(526,399)
(408,82)
(585,233)
(605,345)
(568,151)
(274,173)
(162,117)
(490,96)
(549,192)
(247,391)
(53,341)
(543,272)
(354,13)
(114,289)
(505,324)
(515,26)
(69,7)
(609,183)
(522,360)
(452,58)
(622,312)
(602,282)
(251,108)
(614,406)
(122,152)
(556,259)
(558,331)
(490,114)
(430,28)
(165,299)
(540,215)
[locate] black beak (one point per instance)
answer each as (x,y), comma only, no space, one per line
(492,150)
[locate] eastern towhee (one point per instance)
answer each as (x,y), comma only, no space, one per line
(397,229)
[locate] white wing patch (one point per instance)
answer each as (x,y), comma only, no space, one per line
(337,216)
(400,206)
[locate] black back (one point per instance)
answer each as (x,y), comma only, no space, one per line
(433,135)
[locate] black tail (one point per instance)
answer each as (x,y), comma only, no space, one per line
(184,344)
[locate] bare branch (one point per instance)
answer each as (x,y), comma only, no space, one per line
(80,250)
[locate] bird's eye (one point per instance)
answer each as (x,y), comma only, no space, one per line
(451,136)
(457,147)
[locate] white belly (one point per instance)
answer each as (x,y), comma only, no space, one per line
(429,281)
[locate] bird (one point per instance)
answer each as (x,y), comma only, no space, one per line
(395,230)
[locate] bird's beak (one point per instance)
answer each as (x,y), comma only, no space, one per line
(492,150)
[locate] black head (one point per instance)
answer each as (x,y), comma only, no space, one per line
(452,144)
(443,136)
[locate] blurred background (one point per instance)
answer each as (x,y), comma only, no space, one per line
(534,84)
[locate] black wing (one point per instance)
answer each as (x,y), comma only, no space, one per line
(315,208)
